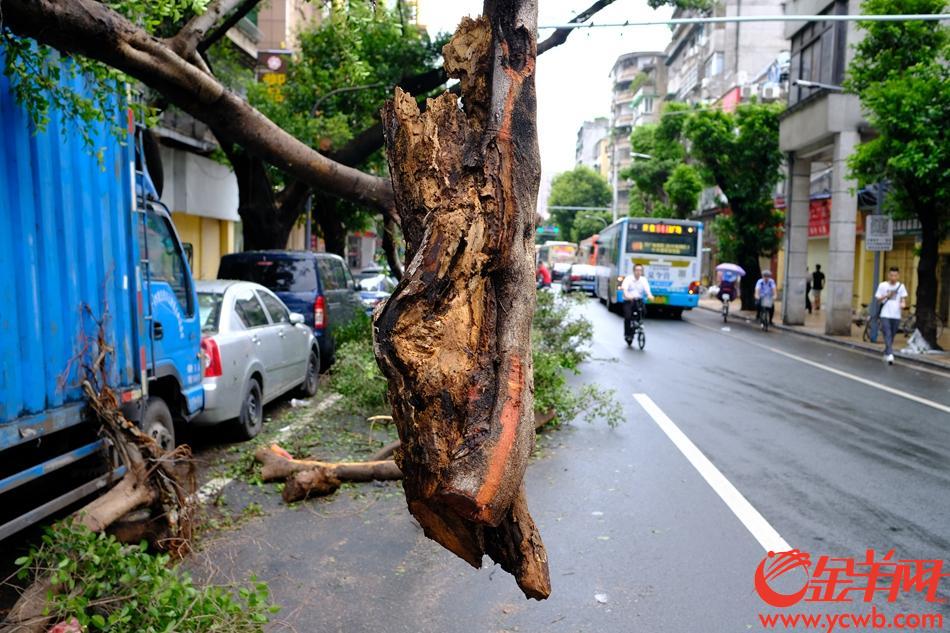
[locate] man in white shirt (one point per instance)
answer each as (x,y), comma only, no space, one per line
(634,288)
(892,296)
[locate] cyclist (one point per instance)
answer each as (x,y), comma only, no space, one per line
(634,288)
(765,289)
(728,285)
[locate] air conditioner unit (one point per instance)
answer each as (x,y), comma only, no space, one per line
(771,93)
(749,91)
(704,83)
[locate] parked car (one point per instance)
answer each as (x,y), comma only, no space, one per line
(317,285)
(374,290)
(369,271)
(581,277)
(254,350)
(560,270)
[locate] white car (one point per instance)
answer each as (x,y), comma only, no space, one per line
(254,350)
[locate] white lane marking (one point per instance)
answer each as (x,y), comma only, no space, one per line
(763,532)
(212,489)
(285,432)
(843,374)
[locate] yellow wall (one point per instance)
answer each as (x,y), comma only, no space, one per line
(209,239)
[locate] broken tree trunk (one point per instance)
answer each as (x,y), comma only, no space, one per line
(454,338)
(311,478)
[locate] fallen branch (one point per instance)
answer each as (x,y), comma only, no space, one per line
(308,478)
(385,452)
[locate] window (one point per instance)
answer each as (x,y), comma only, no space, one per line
(209,310)
(647,105)
(285,274)
(818,54)
(714,65)
(166,262)
(327,275)
(339,273)
(277,310)
(248,309)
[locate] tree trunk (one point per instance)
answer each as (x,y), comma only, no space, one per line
(454,338)
(331,226)
(927,278)
(749,260)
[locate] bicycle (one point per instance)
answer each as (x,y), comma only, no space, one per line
(909,323)
(765,303)
(635,329)
(726,298)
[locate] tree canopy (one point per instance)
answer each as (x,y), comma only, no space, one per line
(665,185)
(740,153)
(901,71)
(580,187)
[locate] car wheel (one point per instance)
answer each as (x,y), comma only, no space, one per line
(157,423)
(308,388)
(251,419)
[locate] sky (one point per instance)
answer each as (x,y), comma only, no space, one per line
(573,82)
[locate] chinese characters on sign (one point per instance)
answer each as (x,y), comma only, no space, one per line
(880,233)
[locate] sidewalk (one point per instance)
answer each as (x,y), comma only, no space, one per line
(815,327)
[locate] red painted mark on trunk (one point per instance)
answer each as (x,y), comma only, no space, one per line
(510,417)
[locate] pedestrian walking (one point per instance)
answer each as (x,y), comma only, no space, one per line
(817,285)
(893,298)
(543,275)
(807,290)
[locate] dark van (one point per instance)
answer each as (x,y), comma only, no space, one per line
(317,285)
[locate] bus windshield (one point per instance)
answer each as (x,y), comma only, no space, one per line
(661,239)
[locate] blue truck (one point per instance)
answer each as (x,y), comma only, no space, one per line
(86,251)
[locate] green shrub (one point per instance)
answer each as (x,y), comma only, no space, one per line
(560,338)
(357,378)
(358,329)
(108,586)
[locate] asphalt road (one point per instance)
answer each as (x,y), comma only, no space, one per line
(798,436)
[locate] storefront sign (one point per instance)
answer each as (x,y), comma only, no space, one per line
(880,233)
(819,217)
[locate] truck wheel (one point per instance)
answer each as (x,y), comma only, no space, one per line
(157,423)
(308,388)
(251,419)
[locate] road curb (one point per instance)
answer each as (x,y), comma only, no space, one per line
(845,343)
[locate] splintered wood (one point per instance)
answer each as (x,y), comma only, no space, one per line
(454,338)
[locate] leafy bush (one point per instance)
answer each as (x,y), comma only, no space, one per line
(559,343)
(359,329)
(357,377)
(108,586)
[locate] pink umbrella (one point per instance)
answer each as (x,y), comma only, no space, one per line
(735,268)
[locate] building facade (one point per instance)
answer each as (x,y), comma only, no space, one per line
(638,85)
(590,137)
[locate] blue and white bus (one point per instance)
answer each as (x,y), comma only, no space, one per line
(669,250)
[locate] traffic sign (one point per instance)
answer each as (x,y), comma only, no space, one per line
(549,229)
(879,233)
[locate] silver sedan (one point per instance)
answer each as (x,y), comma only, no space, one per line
(254,350)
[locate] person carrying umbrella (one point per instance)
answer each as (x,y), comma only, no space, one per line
(729,280)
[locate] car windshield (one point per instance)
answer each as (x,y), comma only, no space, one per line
(279,274)
(209,310)
(378,283)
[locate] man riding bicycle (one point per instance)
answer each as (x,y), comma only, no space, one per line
(634,288)
(765,294)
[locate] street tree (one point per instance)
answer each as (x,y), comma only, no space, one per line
(588,223)
(739,152)
(664,183)
(580,187)
(901,71)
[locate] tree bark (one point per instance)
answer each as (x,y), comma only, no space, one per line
(454,338)
(927,278)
